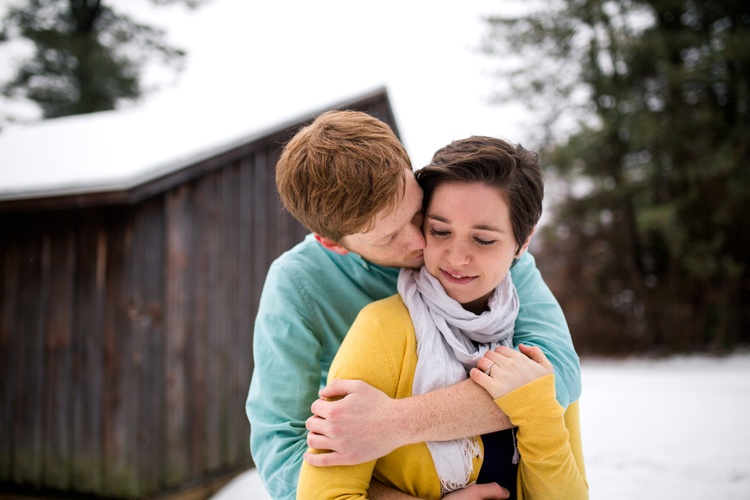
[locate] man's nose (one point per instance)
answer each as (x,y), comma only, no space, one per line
(416,237)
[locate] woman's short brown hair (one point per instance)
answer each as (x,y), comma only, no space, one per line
(512,169)
(338,173)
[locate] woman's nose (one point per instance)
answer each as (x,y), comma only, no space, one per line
(457,253)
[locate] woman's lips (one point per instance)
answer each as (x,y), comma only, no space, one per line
(459,279)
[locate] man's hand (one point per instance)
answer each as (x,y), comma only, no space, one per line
(353,420)
(489,491)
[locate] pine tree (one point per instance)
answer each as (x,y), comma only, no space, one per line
(649,246)
(87,56)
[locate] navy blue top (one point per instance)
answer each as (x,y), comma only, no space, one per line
(498,466)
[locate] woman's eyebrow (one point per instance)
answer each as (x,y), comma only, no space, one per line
(485,227)
(481,227)
(437,218)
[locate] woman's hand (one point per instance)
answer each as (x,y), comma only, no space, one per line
(489,491)
(509,369)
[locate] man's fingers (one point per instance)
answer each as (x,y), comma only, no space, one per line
(493,491)
(328,459)
(315,424)
(320,407)
(489,491)
(338,388)
(318,441)
(317,459)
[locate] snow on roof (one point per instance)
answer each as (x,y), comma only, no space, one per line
(117,150)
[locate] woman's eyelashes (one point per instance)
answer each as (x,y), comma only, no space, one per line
(485,243)
(442,234)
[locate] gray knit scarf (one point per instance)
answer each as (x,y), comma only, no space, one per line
(450,341)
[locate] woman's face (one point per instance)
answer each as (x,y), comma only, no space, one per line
(470,241)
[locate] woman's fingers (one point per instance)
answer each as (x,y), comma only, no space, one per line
(535,354)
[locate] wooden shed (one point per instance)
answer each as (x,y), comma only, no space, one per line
(126,322)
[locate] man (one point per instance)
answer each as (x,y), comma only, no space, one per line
(349,180)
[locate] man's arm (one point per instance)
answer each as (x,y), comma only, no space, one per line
(489,491)
(369,426)
(541,323)
(283,385)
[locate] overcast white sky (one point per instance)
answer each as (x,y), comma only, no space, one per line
(250,54)
(255,64)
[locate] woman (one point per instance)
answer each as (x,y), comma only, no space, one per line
(455,316)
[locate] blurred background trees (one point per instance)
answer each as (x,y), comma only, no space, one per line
(85,57)
(646,128)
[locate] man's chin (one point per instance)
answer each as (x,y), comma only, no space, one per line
(412,264)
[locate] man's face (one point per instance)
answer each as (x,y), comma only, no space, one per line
(396,239)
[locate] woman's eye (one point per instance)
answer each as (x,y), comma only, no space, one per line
(485,243)
(439,234)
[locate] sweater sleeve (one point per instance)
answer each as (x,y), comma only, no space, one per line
(284,384)
(549,441)
(366,354)
(541,323)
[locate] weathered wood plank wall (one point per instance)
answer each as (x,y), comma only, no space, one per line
(126,333)
(126,328)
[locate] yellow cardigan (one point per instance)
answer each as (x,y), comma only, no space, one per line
(380,349)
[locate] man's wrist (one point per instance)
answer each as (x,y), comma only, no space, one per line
(404,424)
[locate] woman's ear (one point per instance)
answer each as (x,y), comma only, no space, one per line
(525,246)
(331,245)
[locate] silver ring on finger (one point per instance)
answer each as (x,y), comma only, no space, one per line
(487,371)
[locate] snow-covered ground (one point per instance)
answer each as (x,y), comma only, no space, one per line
(668,429)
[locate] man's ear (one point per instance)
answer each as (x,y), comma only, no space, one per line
(331,245)
(525,246)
